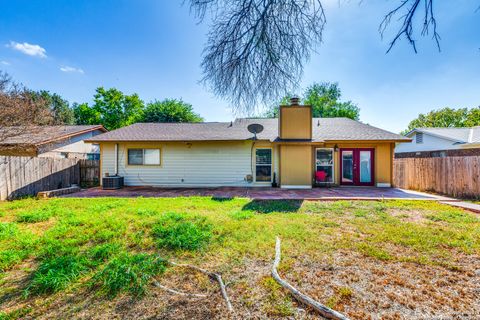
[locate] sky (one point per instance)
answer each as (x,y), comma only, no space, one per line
(154,48)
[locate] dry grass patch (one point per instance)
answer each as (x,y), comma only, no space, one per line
(96,258)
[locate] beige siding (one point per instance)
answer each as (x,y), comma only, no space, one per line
(182,164)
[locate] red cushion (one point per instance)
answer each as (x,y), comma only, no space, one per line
(320,176)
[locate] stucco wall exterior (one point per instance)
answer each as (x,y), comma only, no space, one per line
(383,160)
(296,166)
(295,122)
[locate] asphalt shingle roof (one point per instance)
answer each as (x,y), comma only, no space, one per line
(42,134)
(461,135)
(323,129)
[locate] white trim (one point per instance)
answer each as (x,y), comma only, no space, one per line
(470,136)
(264,165)
(383,185)
(332,165)
(116,158)
(296,187)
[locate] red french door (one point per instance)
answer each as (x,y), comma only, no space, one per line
(357,166)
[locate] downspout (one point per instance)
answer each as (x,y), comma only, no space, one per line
(116,159)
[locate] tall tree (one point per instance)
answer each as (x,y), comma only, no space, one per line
(446,117)
(325,101)
(59,107)
(84,114)
(111,108)
(170,110)
(256,49)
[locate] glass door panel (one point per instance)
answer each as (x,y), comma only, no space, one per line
(324,166)
(365,166)
(347,166)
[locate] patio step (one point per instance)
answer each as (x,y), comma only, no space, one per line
(58,192)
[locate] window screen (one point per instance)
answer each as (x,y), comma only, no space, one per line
(143,157)
(263,165)
(324,166)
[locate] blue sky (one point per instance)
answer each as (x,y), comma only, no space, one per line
(154,48)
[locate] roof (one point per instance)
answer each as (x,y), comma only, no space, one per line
(459,135)
(324,129)
(38,135)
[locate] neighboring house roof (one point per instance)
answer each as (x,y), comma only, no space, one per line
(26,140)
(459,135)
(324,129)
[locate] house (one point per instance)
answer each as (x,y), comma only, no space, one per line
(293,151)
(50,141)
(427,142)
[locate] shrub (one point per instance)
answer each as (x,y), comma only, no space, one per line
(178,232)
(56,274)
(128,272)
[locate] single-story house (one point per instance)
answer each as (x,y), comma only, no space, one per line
(440,142)
(62,141)
(292,151)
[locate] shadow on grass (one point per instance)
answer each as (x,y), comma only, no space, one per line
(269,206)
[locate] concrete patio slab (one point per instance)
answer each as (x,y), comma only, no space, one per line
(335,193)
(464,205)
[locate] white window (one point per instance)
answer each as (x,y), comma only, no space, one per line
(419,137)
(144,157)
(263,165)
(324,168)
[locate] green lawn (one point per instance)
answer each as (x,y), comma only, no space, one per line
(89,257)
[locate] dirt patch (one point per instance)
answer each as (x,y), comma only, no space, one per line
(361,287)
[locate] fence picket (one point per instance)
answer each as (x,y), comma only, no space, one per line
(457,176)
(23,176)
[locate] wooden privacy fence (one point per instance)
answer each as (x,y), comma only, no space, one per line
(26,176)
(89,172)
(23,176)
(453,176)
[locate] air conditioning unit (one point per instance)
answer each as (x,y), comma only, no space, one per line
(112,182)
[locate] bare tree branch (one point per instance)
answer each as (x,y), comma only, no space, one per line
(256,49)
(20,109)
(407,10)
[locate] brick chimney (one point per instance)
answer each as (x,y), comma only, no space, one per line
(295,121)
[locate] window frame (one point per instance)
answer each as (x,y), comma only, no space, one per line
(330,165)
(160,162)
(263,165)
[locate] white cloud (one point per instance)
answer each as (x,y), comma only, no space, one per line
(5,63)
(28,49)
(71,69)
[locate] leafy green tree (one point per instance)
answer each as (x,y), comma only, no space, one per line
(59,107)
(446,117)
(111,108)
(473,117)
(325,101)
(84,114)
(170,110)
